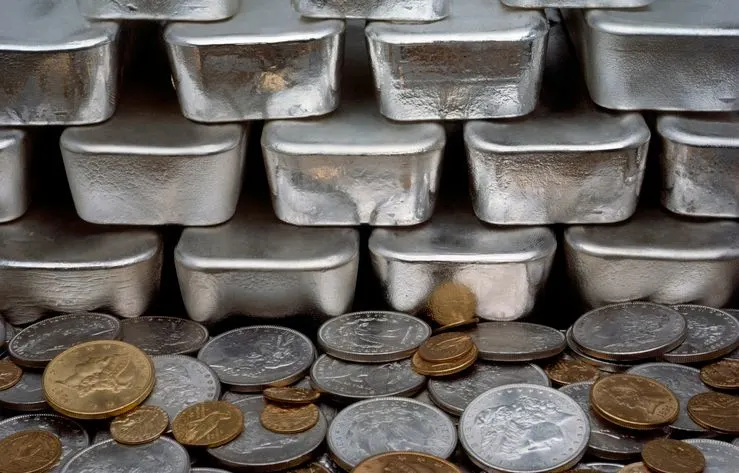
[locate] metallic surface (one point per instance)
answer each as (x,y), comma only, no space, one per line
(26,395)
(516,341)
(721,457)
(162,455)
(408,10)
(163,10)
(601,467)
(712,333)
(14,174)
(576,3)
(164,335)
(603,365)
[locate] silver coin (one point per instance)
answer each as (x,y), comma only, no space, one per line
(524,428)
(37,345)
(27,395)
(101,436)
(182,381)
(390,424)
(606,440)
(423,396)
(346,381)
(162,456)
(3,324)
(328,463)
(71,434)
(208,470)
(601,467)
(721,457)
(712,333)
(329,411)
(373,336)
(516,341)
(735,442)
(258,449)
(629,331)
(164,335)
(251,358)
(604,365)
(453,394)
(734,355)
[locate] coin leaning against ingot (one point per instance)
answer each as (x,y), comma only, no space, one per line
(397,462)
(723,374)
(141,425)
(452,302)
(10,374)
(448,346)
(289,420)
(715,411)
(446,368)
(568,370)
(466,324)
(634,402)
(30,451)
(291,395)
(208,424)
(672,456)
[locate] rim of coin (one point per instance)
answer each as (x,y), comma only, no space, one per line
(448,346)
(10,374)
(147,341)
(46,448)
(722,374)
(637,467)
(568,370)
(291,395)
(603,365)
(289,420)
(716,452)
(110,455)
(672,456)
(618,410)
(447,368)
(312,467)
(451,302)
(393,462)
(603,467)
(26,395)
(516,341)
(715,411)
(456,325)
(226,418)
(72,435)
(141,425)
(705,320)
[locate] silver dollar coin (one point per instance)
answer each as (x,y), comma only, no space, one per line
(734,355)
(259,449)
(683,381)
(101,436)
(162,456)
(373,336)
(721,457)
(391,424)
(524,428)
(606,440)
(516,341)
(735,442)
(2,332)
(37,345)
(453,394)
(26,395)
(251,358)
(600,467)
(712,333)
(346,380)
(629,331)
(164,335)
(604,365)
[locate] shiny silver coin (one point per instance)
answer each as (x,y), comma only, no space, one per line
(423,396)
(600,467)
(629,331)
(735,442)
(328,463)
(8,333)
(684,382)
(604,365)
(162,456)
(606,440)
(373,337)
(516,341)
(37,345)
(164,335)
(3,324)
(349,381)
(258,449)
(721,457)
(734,355)
(26,395)
(712,333)
(101,436)
(522,428)
(251,358)
(453,394)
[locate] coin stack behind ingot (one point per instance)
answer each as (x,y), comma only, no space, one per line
(452,305)
(445,354)
(290,410)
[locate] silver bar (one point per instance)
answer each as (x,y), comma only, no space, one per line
(14,174)
(161,10)
(576,3)
(388,10)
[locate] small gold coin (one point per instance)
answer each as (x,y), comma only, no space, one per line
(634,402)
(635,468)
(444,368)
(672,456)
(404,462)
(457,325)
(208,424)
(291,395)
(141,425)
(723,374)
(30,451)
(289,420)
(568,370)
(715,411)
(445,347)
(452,302)
(10,374)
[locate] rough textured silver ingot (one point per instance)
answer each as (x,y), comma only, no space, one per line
(58,69)
(655,257)
(700,165)
(407,10)
(670,55)
(14,174)
(264,63)
(50,261)
(353,166)
(255,265)
(576,3)
(483,61)
(149,165)
(505,268)
(162,10)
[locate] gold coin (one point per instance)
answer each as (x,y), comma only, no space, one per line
(723,374)
(10,374)
(289,420)
(98,379)
(404,462)
(568,370)
(141,425)
(30,451)
(444,368)
(634,402)
(291,395)
(635,468)
(672,456)
(312,467)
(715,411)
(208,424)
(452,302)
(456,325)
(445,347)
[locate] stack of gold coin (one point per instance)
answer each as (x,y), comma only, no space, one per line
(290,410)
(208,424)
(445,354)
(452,305)
(634,402)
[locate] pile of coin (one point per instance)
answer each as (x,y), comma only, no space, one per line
(445,354)
(290,410)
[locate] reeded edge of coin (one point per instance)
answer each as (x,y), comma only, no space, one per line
(50,438)
(542,354)
(366,465)
(604,365)
(426,368)
(122,439)
(717,382)
(615,419)
(202,329)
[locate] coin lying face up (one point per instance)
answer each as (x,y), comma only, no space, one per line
(721,457)
(716,411)
(31,451)
(712,333)
(208,424)
(516,341)
(405,461)
(634,402)
(669,455)
(164,335)
(26,395)
(162,455)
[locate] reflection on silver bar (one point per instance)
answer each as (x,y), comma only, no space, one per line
(14,174)
(164,10)
(576,3)
(407,10)
(264,63)
(655,257)
(700,165)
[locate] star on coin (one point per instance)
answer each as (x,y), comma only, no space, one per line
(208,424)
(672,456)
(30,451)
(289,420)
(141,425)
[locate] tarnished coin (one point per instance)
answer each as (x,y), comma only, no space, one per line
(389,424)
(672,456)
(723,374)
(141,425)
(568,370)
(634,402)
(2,332)
(289,420)
(516,341)
(291,395)
(448,346)
(603,365)
(163,455)
(30,451)
(453,394)
(451,302)
(396,462)
(629,331)
(253,358)
(712,333)
(37,345)
(721,457)
(638,467)
(260,449)
(444,368)
(26,395)
(345,380)
(715,411)
(603,467)
(164,335)
(10,374)
(373,337)
(208,424)
(524,428)
(684,382)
